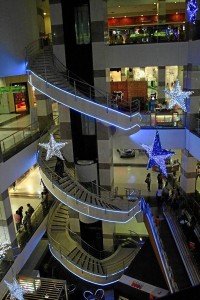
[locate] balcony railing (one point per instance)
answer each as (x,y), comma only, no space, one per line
(17,141)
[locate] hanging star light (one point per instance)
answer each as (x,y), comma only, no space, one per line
(177,96)
(16,290)
(157,155)
(53,148)
(192,8)
(4,246)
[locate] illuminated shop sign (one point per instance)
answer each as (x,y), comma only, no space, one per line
(11,89)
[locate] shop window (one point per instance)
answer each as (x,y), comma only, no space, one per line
(82,25)
(20,96)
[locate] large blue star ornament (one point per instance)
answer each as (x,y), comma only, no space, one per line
(157,155)
(53,148)
(16,290)
(177,96)
(192,8)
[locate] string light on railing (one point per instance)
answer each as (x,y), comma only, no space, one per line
(53,148)
(157,155)
(16,290)
(177,96)
(192,8)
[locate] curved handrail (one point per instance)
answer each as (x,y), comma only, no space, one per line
(70,170)
(75,83)
(100,254)
(168,272)
(108,268)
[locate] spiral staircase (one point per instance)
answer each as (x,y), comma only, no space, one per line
(51,78)
(67,247)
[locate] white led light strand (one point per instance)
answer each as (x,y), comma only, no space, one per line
(53,148)
(16,290)
(177,96)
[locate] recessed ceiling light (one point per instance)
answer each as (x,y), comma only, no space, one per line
(176,13)
(141,15)
(44,13)
(113,17)
(124,16)
(119,6)
(154,3)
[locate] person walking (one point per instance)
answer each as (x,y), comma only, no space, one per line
(148,181)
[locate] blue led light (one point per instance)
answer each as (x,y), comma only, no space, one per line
(157,155)
(86,100)
(94,282)
(192,8)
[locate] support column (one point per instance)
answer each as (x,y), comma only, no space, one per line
(7,226)
(188,172)
(57,30)
(90,228)
(65,131)
(161,10)
(161,84)
(191,79)
(105,156)
(99,37)
(123,74)
(44,111)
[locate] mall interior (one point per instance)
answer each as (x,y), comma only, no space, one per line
(89,81)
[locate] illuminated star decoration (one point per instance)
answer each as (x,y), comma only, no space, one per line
(157,155)
(192,8)
(4,246)
(16,290)
(177,96)
(53,148)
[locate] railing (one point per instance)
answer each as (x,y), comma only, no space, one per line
(24,236)
(162,254)
(15,142)
(108,268)
(189,261)
(77,86)
(88,248)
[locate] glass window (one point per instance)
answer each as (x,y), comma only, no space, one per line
(88,125)
(82,25)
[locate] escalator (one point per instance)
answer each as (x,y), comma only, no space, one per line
(175,261)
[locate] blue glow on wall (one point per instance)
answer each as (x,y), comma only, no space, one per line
(10,65)
(192,8)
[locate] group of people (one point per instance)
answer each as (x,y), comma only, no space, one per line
(21,220)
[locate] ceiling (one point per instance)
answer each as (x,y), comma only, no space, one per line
(121,8)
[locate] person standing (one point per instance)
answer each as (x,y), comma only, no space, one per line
(148,181)
(27,221)
(17,219)
(160,181)
(20,210)
(30,209)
